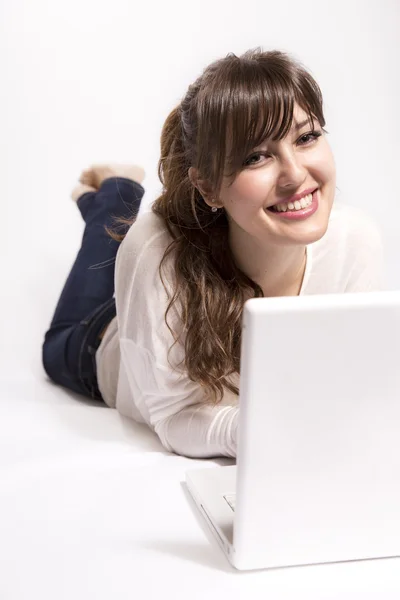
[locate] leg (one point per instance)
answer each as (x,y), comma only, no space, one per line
(86,304)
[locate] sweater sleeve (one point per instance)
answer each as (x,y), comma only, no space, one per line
(174,406)
(212,431)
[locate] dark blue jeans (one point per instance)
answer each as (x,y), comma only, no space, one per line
(87,305)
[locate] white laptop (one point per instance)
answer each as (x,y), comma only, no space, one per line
(318,465)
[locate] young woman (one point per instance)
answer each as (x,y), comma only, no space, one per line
(246,211)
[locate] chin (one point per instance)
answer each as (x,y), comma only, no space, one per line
(305,233)
(314,233)
(313,229)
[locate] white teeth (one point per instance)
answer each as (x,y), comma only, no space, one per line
(297,205)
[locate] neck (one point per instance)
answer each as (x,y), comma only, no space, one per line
(278,270)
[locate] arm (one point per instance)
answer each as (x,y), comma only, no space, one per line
(175,407)
(201,431)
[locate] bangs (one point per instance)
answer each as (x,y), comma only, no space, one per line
(253,101)
(254,118)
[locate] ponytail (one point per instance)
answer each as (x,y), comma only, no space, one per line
(172,148)
(244,100)
(173,171)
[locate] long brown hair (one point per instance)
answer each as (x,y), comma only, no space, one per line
(247,99)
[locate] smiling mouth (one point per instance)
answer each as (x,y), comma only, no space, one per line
(292,206)
(296,211)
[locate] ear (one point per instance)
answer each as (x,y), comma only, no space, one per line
(204,188)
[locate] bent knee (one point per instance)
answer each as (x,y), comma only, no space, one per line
(54,354)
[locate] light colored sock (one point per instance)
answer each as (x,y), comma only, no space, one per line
(96,174)
(81,189)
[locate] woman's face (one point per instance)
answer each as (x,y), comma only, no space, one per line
(259,201)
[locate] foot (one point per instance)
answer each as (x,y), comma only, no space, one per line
(81,189)
(96,174)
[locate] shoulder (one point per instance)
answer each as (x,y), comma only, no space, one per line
(141,254)
(148,232)
(351,231)
(353,225)
(350,254)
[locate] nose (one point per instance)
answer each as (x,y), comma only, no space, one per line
(292,172)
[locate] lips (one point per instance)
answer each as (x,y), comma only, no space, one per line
(294,212)
(293,199)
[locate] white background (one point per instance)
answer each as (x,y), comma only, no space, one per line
(90,81)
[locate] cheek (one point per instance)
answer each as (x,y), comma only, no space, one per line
(324,164)
(251,188)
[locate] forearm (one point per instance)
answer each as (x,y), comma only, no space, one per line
(201,431)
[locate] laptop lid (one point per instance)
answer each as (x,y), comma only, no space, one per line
(318,466)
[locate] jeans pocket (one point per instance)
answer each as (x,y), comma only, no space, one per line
(93,325)
(100,314)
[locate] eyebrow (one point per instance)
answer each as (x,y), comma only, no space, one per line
(298,126)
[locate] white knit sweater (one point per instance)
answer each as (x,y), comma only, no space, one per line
(133,369)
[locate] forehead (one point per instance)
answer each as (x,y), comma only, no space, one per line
(300,118)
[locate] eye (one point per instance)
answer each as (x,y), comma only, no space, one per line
(255,159)
(309,138)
